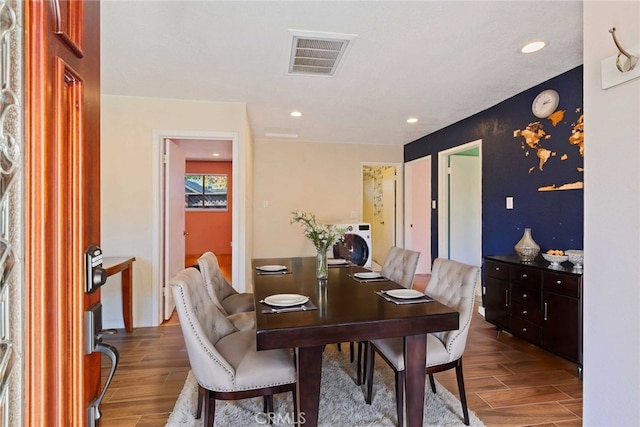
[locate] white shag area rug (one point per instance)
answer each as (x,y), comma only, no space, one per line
(341,402)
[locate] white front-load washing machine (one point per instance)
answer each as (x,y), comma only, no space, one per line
(356,245)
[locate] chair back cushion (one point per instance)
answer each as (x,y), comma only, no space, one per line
(203,325)
(400,266)
(217,286)
(454,284)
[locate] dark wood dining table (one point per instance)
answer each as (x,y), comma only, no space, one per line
(347,310)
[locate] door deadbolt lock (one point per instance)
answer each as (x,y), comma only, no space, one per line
(94,275)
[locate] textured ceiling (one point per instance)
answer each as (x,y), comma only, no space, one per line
(440,61)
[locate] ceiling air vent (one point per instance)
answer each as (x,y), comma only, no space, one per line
(317,53)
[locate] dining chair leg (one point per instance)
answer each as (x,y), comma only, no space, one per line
(209,409)
(295,409)
(432,382)
(351,351)
(463,396)
(400,396)
(199,403)
(267,403)
(359,364)
(369,374)
(366,355)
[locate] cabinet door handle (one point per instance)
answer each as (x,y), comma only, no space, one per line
(524,275)
(524,312)
(545,311)
(497,268)
(506,298)
(559,282)
(524,295)
(524,329)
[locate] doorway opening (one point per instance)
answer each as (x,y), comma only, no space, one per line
(168,227)
(382,208)
(460,203)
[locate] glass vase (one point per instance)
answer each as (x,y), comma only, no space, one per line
(322,269)
(527,249)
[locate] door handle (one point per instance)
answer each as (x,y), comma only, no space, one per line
(94,344)
(546,311)
(112,353)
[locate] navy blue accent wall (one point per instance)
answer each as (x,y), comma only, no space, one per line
(510,167)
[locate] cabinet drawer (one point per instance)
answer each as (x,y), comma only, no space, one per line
(526,296)
(561,284)
(526,330)
(497,270)
(526,276)
(530,314)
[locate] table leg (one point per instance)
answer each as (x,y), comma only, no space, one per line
(127,314)
(308,384)
(415,362)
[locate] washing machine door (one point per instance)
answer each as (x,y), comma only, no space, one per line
(354,248)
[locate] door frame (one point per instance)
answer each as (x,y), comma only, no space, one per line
(157,268)
(443,192)
(399,218)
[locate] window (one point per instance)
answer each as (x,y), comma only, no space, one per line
(205,191)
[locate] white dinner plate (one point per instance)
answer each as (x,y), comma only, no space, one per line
(368,275)
(405,293)
(285,300)
(337,261)
(271,267)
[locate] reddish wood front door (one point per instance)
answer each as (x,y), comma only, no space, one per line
(62,205)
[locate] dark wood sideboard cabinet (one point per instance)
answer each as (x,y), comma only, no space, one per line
(537,302)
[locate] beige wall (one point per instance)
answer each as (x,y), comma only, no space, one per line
(324,179)
(128,183)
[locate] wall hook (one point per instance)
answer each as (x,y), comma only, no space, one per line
(629,61)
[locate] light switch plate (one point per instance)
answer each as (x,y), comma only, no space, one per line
(509,202)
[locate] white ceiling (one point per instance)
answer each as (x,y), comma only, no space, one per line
(440,61)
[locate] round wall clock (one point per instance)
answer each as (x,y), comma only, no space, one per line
(545,103)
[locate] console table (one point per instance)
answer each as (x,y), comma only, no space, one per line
(537,302)
(124,265)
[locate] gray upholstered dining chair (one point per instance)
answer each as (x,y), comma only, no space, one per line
(399,266)
(225,361)
(453,284)
(224,296)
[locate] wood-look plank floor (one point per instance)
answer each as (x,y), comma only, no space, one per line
(508,381)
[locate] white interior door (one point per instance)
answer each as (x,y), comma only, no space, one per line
(465,213)
(417,192)
(174,219)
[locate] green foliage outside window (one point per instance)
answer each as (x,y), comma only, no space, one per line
(206,191)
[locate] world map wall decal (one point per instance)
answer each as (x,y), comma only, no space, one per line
(538,144)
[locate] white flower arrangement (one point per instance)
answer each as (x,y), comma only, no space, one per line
(323,236)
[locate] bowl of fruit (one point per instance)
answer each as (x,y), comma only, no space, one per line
(555,256)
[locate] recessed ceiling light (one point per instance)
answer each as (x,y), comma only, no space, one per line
(412,120)
(216,154)
(533,47)
(296,114)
